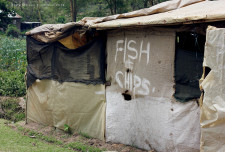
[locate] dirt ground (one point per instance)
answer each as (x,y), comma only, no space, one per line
(66,138)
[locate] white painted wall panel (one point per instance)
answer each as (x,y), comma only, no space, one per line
(151,119)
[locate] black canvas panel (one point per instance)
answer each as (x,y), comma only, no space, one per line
(54,61)
(81,65)
(39,57)
(188,71)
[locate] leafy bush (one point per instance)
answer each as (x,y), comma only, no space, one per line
(12,66)
(12,83)
(12,110)
(13,31)
(12,53)
(4,19)
(1,32)
(61,19)
(67,129)
(23,33)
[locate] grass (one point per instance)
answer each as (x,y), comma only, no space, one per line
(30,140)
(49,139)
(85,135)
(82,147)
(14,141)
(26,140)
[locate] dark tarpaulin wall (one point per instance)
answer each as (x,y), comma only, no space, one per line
(188,71)
(54,61)
(188,65)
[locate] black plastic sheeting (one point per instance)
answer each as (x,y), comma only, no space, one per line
(188,71)
(54,61)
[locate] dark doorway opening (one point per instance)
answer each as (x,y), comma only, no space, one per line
(188,65)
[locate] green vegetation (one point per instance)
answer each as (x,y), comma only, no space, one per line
(85,135)
(13,31)
(25,139)
(49,139)
(14,141)
(62,11)
(61,19)
(82,147)
(12,83)
(12,110)
(4,11)
(12,66)
(67,129)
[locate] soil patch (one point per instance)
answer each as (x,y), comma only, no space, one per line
(76,137)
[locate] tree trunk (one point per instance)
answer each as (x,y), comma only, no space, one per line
(151,2)
(39,11)
(110,6)
(115,7)
(73,10)
(145,3)
(21,5)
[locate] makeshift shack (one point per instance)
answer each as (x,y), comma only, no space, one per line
(133,78)
(29,25)
(16,20)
